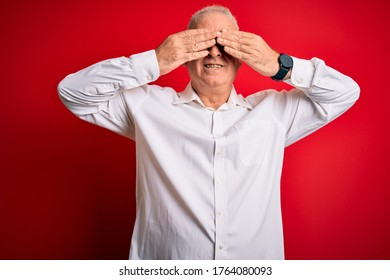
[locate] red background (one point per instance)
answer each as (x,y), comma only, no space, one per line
(67,187)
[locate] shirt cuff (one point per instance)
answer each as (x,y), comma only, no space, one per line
(302,73)
(146,67)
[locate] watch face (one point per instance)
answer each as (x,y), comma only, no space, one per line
(286,61)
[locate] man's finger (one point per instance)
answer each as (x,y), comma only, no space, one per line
(199,46)
(196,55)
(199,38)
(235,53)
(236,35)
(193,32)
(234,40)
(239,46)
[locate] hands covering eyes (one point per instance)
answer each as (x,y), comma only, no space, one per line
(194,44)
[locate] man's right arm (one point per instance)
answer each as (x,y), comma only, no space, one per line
(95,93)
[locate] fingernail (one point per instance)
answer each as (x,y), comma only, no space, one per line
(224,30)
(219,33)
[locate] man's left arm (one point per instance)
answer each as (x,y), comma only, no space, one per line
(321,93)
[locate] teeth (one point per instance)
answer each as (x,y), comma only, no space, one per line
(213,66)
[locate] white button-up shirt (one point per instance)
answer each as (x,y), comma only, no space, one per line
(208,181)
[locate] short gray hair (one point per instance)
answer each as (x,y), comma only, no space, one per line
(210,9)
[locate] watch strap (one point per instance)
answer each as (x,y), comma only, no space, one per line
(283,69)
(281,74)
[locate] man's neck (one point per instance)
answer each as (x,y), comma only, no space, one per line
(214,97)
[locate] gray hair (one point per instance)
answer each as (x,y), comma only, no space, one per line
(210,9)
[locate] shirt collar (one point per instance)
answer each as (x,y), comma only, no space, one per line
(189,95)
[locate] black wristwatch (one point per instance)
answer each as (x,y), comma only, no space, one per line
(286,63)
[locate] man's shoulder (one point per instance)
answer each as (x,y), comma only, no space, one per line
(148,94)
(273,96)
(161,93)
(260,96)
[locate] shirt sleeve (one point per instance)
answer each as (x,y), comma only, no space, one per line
(95,94)
(321,94)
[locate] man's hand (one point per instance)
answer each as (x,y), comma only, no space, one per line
(251,49)
(184,46)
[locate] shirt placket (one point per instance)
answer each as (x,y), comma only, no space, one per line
(220,195)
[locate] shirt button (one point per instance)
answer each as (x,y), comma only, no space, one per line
(219,181)
(220,212)
(220,247)
(149,78)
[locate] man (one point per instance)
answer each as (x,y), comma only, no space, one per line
(208,160)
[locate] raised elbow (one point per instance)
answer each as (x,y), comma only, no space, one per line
(354,91)
(64,92)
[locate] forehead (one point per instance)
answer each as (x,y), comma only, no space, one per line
(215,21)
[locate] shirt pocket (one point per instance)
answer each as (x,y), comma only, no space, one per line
(254,141)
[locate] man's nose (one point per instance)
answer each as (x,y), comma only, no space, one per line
(215,51)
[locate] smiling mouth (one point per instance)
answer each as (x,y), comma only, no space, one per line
(213,66)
